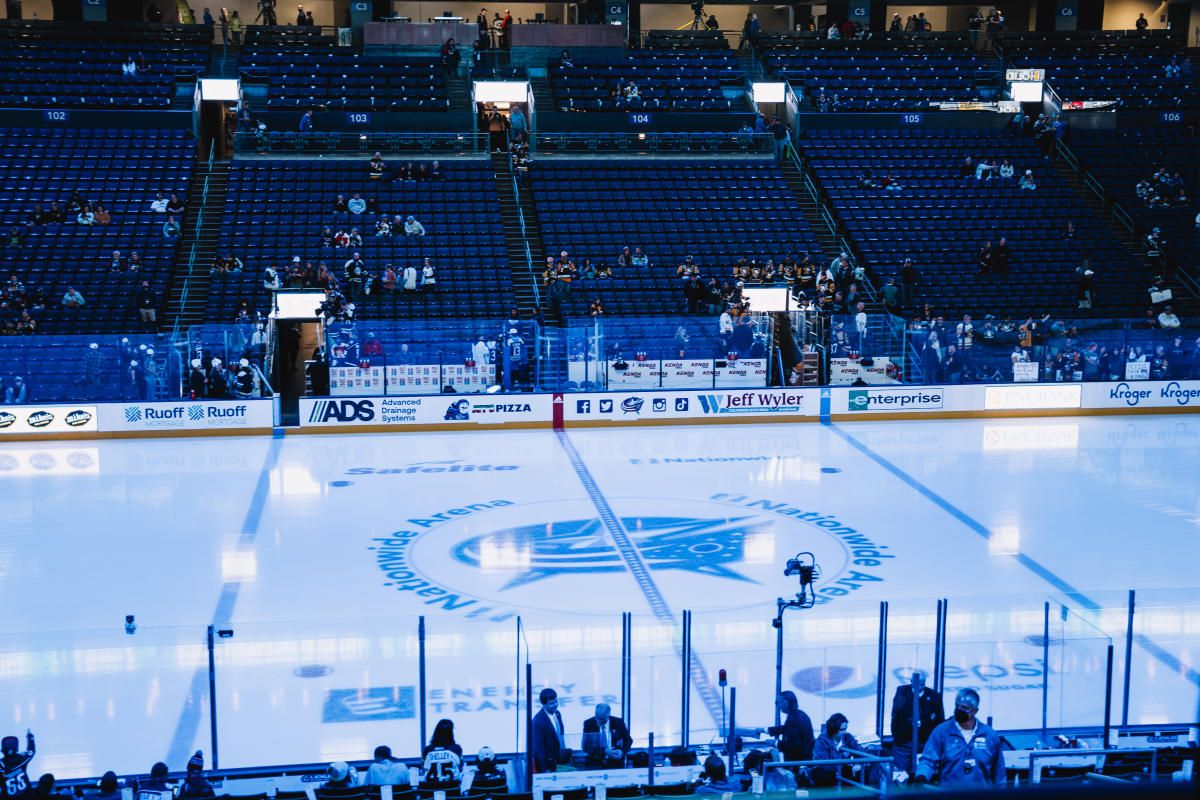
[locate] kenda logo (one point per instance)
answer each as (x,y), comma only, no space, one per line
(895,399)
(1183,395)
(1129,395)
(342,411)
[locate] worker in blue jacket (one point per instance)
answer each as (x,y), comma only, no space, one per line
(963,752)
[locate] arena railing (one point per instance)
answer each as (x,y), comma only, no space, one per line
(253,694)
(278,142)
(195,236)
(1063,349)
(730,142)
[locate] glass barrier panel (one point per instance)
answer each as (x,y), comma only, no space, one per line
(581,661)
(1165,680)
(656,685)
(318,691)
(101,700)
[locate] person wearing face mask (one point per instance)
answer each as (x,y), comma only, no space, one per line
(834,743)
(963,752)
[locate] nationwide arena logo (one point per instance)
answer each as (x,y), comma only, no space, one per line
(492,559)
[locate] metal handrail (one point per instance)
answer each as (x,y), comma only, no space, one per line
(187,281)
(537,297)
(859,759)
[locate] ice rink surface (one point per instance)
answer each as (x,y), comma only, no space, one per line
(320,553)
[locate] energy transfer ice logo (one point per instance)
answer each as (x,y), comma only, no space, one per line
(706,546)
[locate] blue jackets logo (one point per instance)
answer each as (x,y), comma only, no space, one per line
(632,405)
(78,418)
(40,419)
(7,418)
(342,411)
(458,411)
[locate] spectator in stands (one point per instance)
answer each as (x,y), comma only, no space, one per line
(340,775)
(596,309)
(966,168)
(832,33)
(1006,169)
(1027,182)
(195,785)
(73,299)
(1141,23)
(1167,319)
(386,770)
(1002,256)
(442,756)
(483,38)
(751,28)
(412,227)
(101,216)
(409,278)
(640,259)
(147,305)
(129,66)
(159,204)
(890,295)
(714,779)
(86,216)
(376,168)
(306,119)
(171,229)
(235,28)
(428,277)
(695,294)
(356,205)
(450,57)
(134,263)
(984,170)
(355,271)
(175,205)
(488,775)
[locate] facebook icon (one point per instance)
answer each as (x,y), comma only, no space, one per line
(583,406)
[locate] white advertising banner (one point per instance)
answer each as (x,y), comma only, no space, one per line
(187,415)
(1032,397)
(430,378)
(355,380)
(650,406)
(685,373)
(442,409)
(845,371)
(1143,394)
(47,419)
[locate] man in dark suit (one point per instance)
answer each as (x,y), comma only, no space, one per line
(548,742)
(606,740)
(908,727)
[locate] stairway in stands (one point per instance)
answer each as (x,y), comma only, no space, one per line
(1185,302)
(526,255)
(885,330)
(202,226)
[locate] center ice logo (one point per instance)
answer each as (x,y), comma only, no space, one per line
(705,546)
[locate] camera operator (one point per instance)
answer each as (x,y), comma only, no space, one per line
(698,14)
